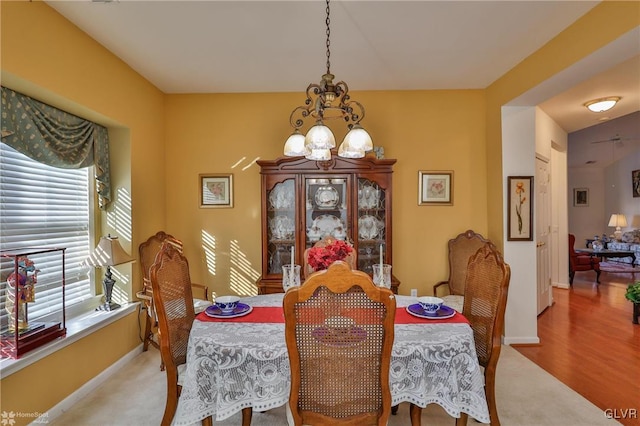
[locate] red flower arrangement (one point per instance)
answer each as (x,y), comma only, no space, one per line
(319,258)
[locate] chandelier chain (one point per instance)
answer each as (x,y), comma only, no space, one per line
(328,22)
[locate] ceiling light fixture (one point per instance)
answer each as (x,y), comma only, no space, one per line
(326,101)
(602,104)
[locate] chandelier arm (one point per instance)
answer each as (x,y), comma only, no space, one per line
(297,121)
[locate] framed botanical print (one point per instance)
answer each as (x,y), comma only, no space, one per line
(216,190)
(435,188)
(635,183)
(520,208)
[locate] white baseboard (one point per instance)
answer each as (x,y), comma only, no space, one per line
(520,340)
(561,285)
(89,387)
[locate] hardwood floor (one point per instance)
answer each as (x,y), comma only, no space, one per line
(588,342)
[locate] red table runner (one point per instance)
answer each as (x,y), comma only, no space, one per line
(274,314)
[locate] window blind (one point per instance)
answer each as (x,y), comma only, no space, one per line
(45,207)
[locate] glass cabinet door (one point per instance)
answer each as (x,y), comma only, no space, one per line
(326,209)
(371,224)
(281,221)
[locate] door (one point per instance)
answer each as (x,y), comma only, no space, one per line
(543,229)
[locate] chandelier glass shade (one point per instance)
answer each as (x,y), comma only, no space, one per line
(327,101)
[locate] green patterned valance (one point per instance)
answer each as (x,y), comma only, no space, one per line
(56,138)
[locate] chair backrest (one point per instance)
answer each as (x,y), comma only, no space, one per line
(148,251)
(339,333)
(461,248)
(173,303)
(485,301)
(323,242)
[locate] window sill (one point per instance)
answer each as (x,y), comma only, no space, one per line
(77,328)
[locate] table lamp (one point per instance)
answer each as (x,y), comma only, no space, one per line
(108,253)
(618,220)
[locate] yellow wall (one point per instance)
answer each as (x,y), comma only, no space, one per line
(424,130)
(45,57)
(599,27)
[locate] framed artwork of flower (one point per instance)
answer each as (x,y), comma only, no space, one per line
(435,188)
(216,191)
(520,217)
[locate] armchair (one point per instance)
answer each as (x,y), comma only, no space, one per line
(461,248)
(581,262)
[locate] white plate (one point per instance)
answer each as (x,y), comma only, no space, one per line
(327,197)
(282,227)
(369,227)
(324,225)
(368,197)
(281,197)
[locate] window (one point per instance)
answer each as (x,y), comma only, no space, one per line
(44,206)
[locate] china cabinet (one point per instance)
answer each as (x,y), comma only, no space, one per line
(304,200)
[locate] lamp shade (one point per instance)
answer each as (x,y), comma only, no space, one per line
(108,252)
(320,137)
(294,146)
(618,220)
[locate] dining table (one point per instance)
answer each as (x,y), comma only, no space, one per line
(243,362)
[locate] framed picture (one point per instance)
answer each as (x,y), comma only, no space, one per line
(216,191)
(520,217)
(435,188)
(635,183)
(580,197)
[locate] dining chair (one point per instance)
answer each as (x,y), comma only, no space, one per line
(148,251)
(173,301)
(461,248)
(339,334)
(581,261)
(323,242)
(485,302)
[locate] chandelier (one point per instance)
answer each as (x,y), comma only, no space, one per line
(327,101)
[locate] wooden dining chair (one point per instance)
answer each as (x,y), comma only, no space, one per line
(148,251)
(339,333)
(581,261)
(485,302)
(323,242)
(173,301)
(461,248)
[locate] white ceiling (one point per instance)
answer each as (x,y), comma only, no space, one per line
(279,46)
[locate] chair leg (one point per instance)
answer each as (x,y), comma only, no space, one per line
(173,390)
(462,421)
(571,275)
(394,410)
(598,276)
(207,421)
(246,416)
(490,389)
(415,413)
(147,333)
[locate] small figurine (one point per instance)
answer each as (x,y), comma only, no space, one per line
(25,281)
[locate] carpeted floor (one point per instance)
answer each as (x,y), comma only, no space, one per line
(526,394)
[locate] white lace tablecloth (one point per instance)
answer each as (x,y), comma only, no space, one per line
(234,365)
